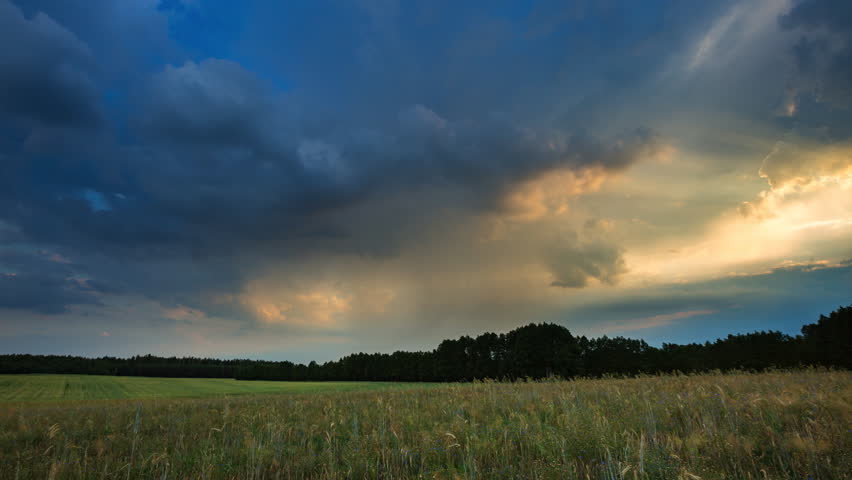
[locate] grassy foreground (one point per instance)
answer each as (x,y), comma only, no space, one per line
(739,426)
(26,388)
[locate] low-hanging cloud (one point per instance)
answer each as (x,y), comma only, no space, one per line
(45,283)
(573,265)
(47,75)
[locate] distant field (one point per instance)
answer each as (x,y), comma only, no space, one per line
(28,388)
(781,425)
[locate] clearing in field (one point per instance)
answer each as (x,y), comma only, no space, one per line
(27,388)
(790,425)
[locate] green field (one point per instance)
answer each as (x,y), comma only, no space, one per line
(28,388)
(780,425)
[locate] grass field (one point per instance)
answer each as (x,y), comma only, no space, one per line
(27,388)
(781,425)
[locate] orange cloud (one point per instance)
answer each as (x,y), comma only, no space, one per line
(320,306)
(654,321)
(550,193)
(794,170)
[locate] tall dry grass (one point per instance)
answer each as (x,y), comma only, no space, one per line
(735,426)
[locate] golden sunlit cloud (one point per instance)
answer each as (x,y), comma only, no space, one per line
(793,167)
(312,308)
(273,302)
(550,193)
(806,212)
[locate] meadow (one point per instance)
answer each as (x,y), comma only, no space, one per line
(776,425)
(27,388)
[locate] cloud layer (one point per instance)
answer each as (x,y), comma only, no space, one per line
(380,170)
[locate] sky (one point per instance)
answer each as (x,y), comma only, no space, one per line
(305,180)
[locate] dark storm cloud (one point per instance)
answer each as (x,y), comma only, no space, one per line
(227,165)
(46,72)
(126,38)
(206,171)
(44,283)
(42,294)
(824,51)
(215,102)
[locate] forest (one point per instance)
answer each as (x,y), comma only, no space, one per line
(532,351)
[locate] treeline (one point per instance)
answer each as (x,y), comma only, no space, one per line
(531,351)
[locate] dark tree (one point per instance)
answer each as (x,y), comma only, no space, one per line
(829,341)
